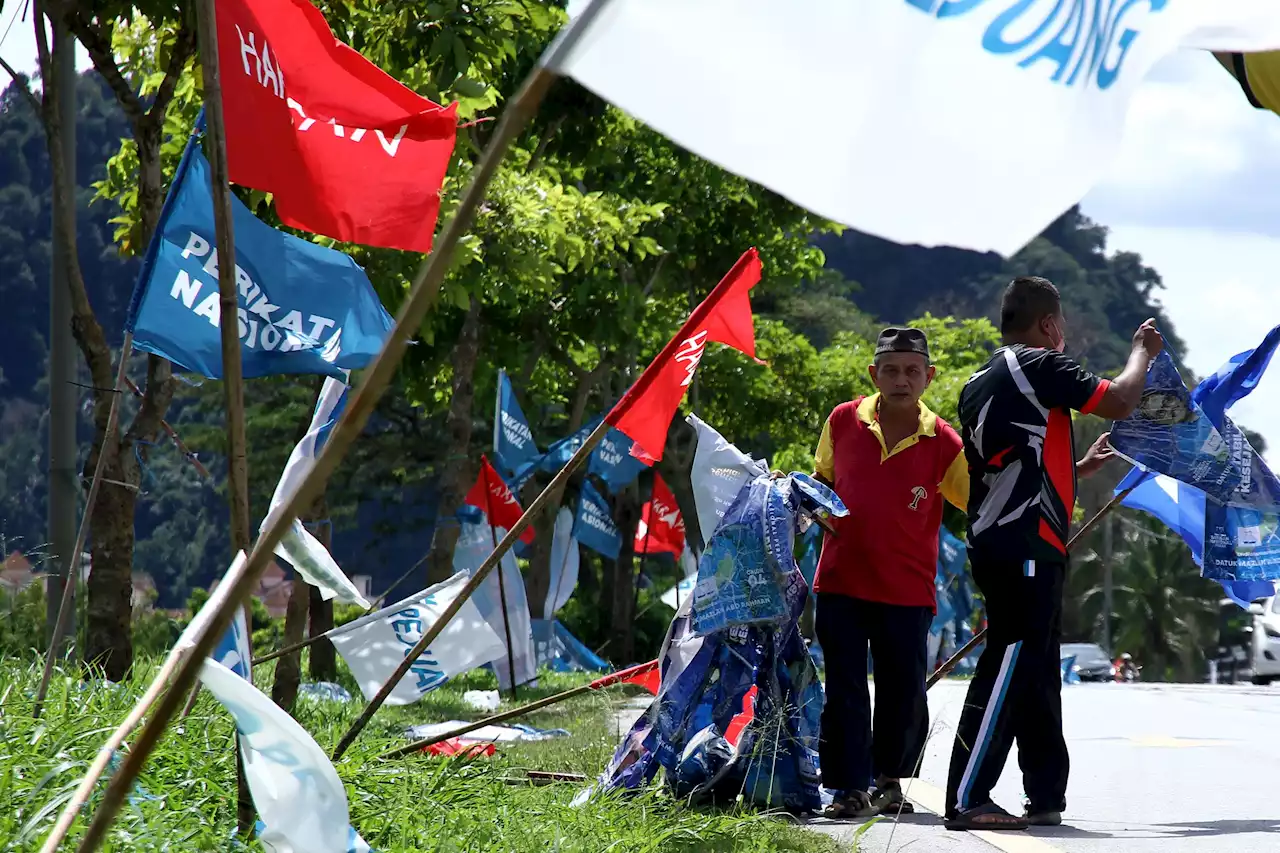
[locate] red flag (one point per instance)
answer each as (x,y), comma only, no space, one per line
(739,722)
(644,412)
(491,496)
(347,151)
(646,675)
(661,528)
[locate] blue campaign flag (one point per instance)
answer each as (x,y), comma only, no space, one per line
(558,454)
(303,308)
(513,444)
(593,525)
(1234,544)
(952,553)
(612,461)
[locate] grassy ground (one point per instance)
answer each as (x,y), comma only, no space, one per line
(187,794)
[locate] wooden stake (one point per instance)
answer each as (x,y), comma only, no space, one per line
(954,661)
(374,381)
(72,579)
(539,503)
(229,328)
(606,681)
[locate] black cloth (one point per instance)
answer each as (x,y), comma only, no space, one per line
(1016,692)
(1015,419)
(897,636)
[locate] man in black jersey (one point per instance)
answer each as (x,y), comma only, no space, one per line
(1015,418)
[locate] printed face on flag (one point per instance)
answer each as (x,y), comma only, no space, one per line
(346,150)
(303,308)
(644,413)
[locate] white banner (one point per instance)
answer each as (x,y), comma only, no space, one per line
(233,649)
(303,551)
(475,543)
(719,472)
(970,123)
(375,644)
(295,789)
(564,564)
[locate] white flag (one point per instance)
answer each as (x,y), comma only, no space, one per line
(970,123)
(719,472)
(375,644)
(475,543)
(233,649)
(564,564)
(303,551)
(295,789)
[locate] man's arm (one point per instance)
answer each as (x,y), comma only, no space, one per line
(955,483)
(1124,393)
(824,468)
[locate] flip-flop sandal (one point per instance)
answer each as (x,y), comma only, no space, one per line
(988,817)
(856,805)
(889,800)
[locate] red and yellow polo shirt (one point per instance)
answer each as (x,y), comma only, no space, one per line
(886,548)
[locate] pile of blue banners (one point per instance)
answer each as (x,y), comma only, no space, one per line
(560,651)
(703,729)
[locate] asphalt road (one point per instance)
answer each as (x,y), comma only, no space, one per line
(1155,769)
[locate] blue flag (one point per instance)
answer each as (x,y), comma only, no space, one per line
(1235,545)
(612,461)
(303,308)
(513,444)
(593,525)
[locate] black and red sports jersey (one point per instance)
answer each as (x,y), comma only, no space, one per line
(1015,419)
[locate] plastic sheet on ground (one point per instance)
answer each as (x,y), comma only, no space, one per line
(325,691)
(484,734)
(738,706)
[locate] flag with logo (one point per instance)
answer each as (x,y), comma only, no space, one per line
(303,550)
(297,793)
(475,544)
(345,150)
(1234,542)
(661,528)
(303,308)
(233,649)
(491,495)
(565,560)
(644,413)
(613,462)
(720,471)
(513,445)
(593,523)
(375,644)
(929,144)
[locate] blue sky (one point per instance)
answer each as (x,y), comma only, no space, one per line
(1192,191)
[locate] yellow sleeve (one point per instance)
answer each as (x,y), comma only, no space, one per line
(1262,79)
(955,483)
(824,459)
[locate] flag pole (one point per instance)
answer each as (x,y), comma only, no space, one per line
(502,587)
(229,328)
(539,503)
(600,683)
(72,562)
(954,661)
(422,298)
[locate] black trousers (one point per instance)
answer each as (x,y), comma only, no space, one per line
(897,637)
(1016,692)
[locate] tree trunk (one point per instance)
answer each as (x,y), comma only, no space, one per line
(109,637)
(324,657)
(284,690)
(457,467)
(622,607)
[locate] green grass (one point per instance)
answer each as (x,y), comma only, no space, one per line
(413,804)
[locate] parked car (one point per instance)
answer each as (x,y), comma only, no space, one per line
(1092,663)
(1266,639)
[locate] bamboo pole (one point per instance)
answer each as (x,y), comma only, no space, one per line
(599,683)
(954,661)
(105,450)
(421,299)
(502,585)
(229,329)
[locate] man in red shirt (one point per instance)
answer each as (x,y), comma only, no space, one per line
(892,461)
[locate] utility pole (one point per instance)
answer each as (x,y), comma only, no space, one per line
(64,484)
(1107,584)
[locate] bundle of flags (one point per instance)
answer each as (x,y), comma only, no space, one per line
(1196,472)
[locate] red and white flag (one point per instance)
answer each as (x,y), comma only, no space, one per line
(347,151)
(661,528)
(491,496)
(644,413)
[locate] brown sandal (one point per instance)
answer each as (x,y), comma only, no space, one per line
(989,817)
